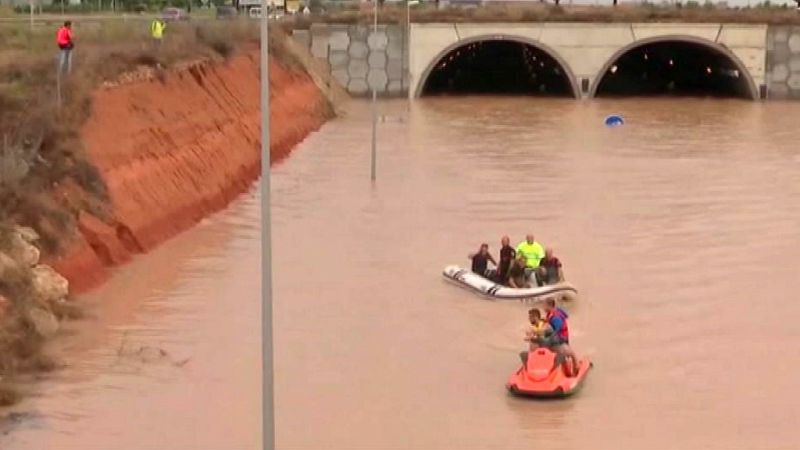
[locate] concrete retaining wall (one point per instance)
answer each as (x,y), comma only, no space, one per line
(361,59)
(783,62)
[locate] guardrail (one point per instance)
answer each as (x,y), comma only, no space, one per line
(51,18)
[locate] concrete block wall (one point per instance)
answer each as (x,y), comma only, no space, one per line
(783,62)
(361,59)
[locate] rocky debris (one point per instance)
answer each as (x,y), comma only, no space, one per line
(19,261)
(144,73)
(20,246)
(8,395)
(5,306)
(32,299)
(28,234)
(48,285)
(65,309)
(7,266)
(43,322)
(148,355)
(141,73)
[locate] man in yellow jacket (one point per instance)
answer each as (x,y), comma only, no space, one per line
(533,252)
(157,30)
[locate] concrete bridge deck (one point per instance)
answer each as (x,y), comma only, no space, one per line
(587,50)
(397,61)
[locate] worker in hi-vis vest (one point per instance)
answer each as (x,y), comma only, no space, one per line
(157,30)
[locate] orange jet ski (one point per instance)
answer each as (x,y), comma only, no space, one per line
(546,375)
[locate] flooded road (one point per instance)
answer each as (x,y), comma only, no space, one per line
(679,229)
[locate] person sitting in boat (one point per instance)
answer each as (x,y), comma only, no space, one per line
(533,252)
(559,339)
(507,255)
(480,261)
(549,271)
(517,277)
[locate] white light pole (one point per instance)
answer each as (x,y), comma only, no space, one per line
(374,94)
(267,385)
(407,47)
(407,44)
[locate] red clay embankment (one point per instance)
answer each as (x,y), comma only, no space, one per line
(176,149)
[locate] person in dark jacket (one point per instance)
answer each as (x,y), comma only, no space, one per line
(507,255)
(480,261)
(549,271)
(517,277)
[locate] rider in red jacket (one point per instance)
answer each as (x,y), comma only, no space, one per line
(557,318)
(65,43)
(64,36)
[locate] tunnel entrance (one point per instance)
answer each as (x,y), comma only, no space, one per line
(675,68)
(498,67)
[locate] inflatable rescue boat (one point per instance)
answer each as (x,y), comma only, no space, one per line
(476,283)
(545,377)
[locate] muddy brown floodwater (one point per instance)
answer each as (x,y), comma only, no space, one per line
(680,229)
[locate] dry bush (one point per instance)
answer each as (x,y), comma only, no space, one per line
(217,41)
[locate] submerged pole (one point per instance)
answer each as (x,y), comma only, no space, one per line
(267,386)
(374,94)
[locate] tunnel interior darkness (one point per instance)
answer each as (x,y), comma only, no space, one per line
(674,68)
(498,67)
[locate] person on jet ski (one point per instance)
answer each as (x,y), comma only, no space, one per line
(538,330)
(481,260)
(559,340)
(539,327)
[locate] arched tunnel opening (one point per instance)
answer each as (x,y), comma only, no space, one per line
(674,68)
(498,67)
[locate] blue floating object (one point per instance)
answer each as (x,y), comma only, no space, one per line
(614,121)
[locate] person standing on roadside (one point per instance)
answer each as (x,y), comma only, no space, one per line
(64,40)
(157,31)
